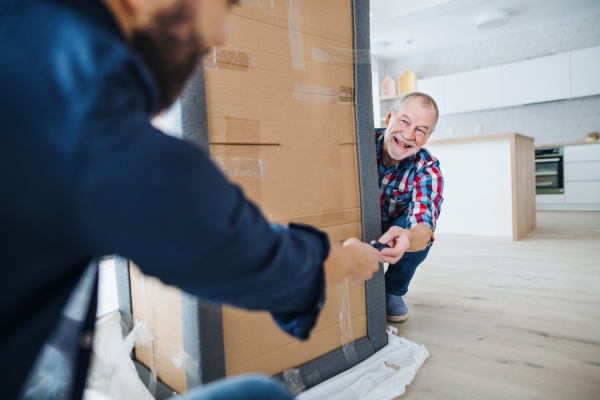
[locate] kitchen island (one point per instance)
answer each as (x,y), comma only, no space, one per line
(489,185)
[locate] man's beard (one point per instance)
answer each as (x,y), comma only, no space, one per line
(389,145)
(171,48)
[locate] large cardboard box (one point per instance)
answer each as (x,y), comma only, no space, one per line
(282,125)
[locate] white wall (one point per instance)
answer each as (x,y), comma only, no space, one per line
(477,188)
(562,121)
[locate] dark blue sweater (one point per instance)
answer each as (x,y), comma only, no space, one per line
(83,173)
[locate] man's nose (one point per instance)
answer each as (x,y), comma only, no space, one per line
(409,134)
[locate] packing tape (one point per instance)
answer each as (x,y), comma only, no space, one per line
(338,55)
(153,350)
(223,59)
(241,166)
(345,318)
(295,28)
(141,335)
(265,6)
(319,94)
(242,130)
(293,381)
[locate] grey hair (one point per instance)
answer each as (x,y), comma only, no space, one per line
(426,100)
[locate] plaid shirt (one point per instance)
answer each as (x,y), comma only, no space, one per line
(412,187)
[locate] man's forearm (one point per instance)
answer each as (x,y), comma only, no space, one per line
(419,236)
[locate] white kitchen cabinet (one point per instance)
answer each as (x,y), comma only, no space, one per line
(549,198)
(474,90)
(435,87)
(538,80)
(585,75)
(584,192)
(582,152)
(582,171)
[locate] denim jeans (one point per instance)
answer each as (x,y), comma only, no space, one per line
(399,275)
(245,387)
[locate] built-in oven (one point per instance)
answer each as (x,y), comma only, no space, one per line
(549,171)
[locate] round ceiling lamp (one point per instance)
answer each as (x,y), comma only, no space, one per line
(492,19)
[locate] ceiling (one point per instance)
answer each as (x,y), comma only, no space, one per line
(429,25)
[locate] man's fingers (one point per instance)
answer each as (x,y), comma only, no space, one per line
(393,254)
(391,234)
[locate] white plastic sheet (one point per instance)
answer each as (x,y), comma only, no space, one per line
(375,378)
(112,374)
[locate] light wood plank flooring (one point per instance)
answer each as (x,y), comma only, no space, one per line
(510,320)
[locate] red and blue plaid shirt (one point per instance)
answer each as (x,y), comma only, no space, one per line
(412,187)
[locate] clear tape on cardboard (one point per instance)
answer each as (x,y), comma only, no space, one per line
(223,59)
(174,353)
(265,6)
(345,318)
(241,166)
(295,28)
(293,381)
(338,55)
(319,94)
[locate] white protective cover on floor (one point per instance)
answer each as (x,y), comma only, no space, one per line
(375,378)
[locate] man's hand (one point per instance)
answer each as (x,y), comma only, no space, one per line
(354,260)
(398,240)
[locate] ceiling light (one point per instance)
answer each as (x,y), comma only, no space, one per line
(492,19)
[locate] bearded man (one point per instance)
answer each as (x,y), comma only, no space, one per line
(410,190)
(83,173)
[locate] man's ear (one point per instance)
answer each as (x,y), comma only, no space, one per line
(388,118)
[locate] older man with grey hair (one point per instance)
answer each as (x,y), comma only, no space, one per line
(410,190)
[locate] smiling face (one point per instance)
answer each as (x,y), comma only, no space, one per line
(407,131)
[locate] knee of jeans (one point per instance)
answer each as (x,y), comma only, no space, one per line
(259,388)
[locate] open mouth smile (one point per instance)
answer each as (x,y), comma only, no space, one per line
(400,143)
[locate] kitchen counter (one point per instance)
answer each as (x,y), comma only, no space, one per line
(567,144)
(484,138)
(489,185)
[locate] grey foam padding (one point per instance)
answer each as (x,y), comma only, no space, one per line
(202,322)
(331,364)
(202,331)
(162,391)
(194,114)
(124,290)
(367,164)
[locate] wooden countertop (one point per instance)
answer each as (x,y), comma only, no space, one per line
(483,138)
(567,144)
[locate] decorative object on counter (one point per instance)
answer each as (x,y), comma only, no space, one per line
(407,82)
(388,87)
(592,136)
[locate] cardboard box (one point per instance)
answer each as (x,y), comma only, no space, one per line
(283,127)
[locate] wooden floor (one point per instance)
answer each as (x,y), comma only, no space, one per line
(510,320)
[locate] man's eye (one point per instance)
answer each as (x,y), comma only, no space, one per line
(404,121)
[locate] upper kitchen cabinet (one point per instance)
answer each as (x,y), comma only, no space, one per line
(435,87)
(474,90)
(538,80)
(585,67)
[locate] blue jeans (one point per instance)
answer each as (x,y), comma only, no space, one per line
(399,275)
(245,387)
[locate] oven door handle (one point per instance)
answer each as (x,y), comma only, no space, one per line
(547,160)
